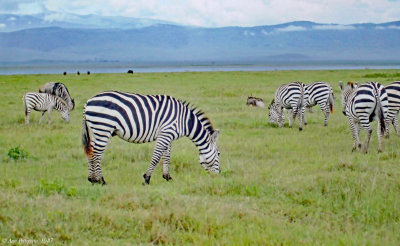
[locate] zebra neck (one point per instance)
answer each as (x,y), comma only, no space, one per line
(59,105)
(196,132)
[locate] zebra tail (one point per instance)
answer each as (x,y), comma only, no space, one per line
(86,138)
(380,115)
(24,100)
(331,100)
(300,102)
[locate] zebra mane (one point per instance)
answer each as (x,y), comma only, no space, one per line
(205,121)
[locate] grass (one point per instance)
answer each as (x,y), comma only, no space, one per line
(277,186)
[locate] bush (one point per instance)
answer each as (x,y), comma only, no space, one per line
(17,153)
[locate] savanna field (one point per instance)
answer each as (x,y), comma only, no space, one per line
(278,186)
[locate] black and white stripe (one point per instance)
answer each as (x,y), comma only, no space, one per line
(44,102)
(141,119)
(361,106)
(319,93)
(393,91)
(287,96)
(58,89)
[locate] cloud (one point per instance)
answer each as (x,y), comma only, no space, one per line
(394,27)
(2,25)
(334,27)
(291,28)
(213,13)
(248,33)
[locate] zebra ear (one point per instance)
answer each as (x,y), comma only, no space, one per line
(214,135)
(341,85)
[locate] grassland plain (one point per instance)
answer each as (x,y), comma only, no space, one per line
(277,186)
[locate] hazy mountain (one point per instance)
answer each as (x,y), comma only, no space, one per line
(147,41)
(11,22)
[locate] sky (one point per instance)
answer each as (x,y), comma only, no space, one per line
(218,13)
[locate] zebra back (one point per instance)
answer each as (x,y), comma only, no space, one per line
(58,89)
(393,91)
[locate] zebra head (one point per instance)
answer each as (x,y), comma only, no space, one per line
(209,159)
(65,115)
(64,109)
(273,112)
(346,91)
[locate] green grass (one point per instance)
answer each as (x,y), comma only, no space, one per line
(278,186)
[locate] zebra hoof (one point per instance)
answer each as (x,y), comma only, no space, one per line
(102,181)
(146,179)
(300,128)
(167,177)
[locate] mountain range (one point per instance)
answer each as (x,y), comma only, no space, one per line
(71,38)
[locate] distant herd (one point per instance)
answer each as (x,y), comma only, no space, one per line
(145,118)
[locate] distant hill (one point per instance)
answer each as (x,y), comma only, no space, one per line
(115,39)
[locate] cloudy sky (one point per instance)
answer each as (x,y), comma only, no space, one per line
(217,13)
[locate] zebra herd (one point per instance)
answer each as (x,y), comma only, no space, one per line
(361,105)
(295,97)
(140,118)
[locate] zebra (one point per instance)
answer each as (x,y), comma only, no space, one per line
(44,102)
(289,96)
(319,93)
(58,89)
(362,105)
(393,91)
(140,118)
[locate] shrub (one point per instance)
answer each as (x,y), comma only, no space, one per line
(17,153)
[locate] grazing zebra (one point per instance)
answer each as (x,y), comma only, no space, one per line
(58,89)
(289,96)
(393,91)
(322,94)
(141,119)
(362,105)
(318,93)
(44,102)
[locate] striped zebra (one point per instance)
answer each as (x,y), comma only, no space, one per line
(287,96)
(145,118)
(44,102)
(319,93)
(362,105)
(393,91)
(58,89)
(322,94)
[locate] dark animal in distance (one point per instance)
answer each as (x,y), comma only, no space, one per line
(255,101)
(130,71)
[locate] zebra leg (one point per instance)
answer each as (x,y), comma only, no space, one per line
(387,125)
(98,144)
(27,112)
(289,116)
(41,118)
(281,117)
(325,110)
(162,145)
(301,117)
(49,114)
(165,159)
(366,143)
(355,132)
(379,134)
(396,124)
